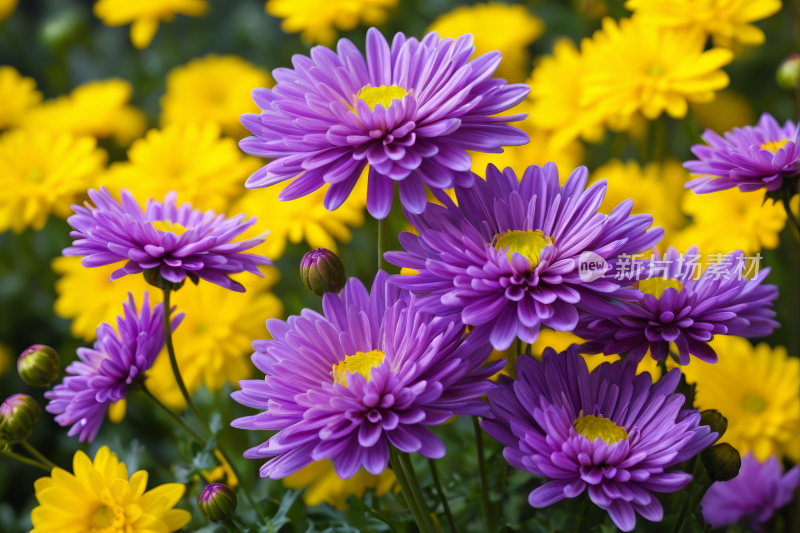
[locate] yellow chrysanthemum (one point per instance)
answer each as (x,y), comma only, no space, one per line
(657,190)
(7,7)
(731,220)
(325,486)
(726,20)
(96,108)
(495,26)
(318,20)
(212,89)
(756,390)
(144,16)
(633,66)
(42,173)
(192,159)
(18,94)
(100,497)
(728,110)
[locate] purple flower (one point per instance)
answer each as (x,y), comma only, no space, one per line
(508,256)
(684,309)
(751,158)
(179,241)
(371,371)
(610,431)
(753,496)
(411,111)
(105,372)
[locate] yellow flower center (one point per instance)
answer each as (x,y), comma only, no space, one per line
(168,225)
(755,403)
(596,427)
(360,363)
(35,175)
(527,243)
(106,519)
(656,70)
(774,146)
(383,95)
(657,286)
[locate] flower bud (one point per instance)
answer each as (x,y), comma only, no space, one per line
(38,365)
(788,72)
(153,277)
(721,461)
(714,419)
(322,271)
(18,416)
(216,502)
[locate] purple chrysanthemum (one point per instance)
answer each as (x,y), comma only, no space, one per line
(104,372)
(372,371)
(411,111)
(178,240)
(751,158)
(508,256)
(752,497)
(610,431)
(676,307)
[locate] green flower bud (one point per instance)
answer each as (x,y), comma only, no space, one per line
(714,419)
(721,461)
(788,72)
(38,365)
(18,416)
(322,271)
(217,502)
(154,278)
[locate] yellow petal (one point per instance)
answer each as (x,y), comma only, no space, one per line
(142,32)
(116,411)
(171,491)
(176,518)
(138,483)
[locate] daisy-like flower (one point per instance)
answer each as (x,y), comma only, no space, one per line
(520,29)
(144,16)
(178,240)
(751,498)
(7,7)
(372,370)
(507,256)
(411,111)
(18,94)
(318,20)
(42,173)
(677,306)
(118,361)
(325,486)
(750,158)
(101,496)
(609,432)
(212,89)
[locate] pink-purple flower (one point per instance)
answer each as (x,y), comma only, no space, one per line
(410,110)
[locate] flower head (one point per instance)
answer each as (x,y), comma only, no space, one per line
(411,111)
(750,158)
(145,15)
(104,373)
(676,306)
(38,365)
(372,370)
(179,241)
(325,486)
(607,431)
(42,173)
(7,8)
(18,94)
(100,496)
(507,256)
(217,502)
(19,414)
(750,499)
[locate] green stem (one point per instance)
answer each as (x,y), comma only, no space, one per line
(174,416)
(413,484)
(582,519)
(378,516)
(241,485)
(383,242)
(689,504)
(789,214)
(397,468)
(445,504)
(487,504)
(25,460)
(38,455)
(697,499)
(230,526)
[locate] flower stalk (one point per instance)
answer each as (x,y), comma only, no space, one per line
(410,488)
(37,454)
(487,504)
(383,242)
(442,497)
(25,460)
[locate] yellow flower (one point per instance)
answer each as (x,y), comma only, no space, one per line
(17,93)
(100,496)
(756,390)
(212,344)
(325,486)
(727,111)
(222,473)
(633,66)
(731,220)
(145,15)
(657,190)
(7,7)
(206,170)
(726,20)
(318,20)
(495,26)
(42,173)
(212,89)
(97,108)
